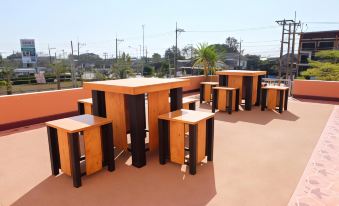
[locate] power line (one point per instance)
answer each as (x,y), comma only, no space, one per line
(234,30)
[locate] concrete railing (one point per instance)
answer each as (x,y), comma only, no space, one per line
(315,89)
(30,108)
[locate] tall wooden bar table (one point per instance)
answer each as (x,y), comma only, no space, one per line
(249,83)
(123,101)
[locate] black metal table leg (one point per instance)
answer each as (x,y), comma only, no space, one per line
(53,150)
(209,138)
(99,104)
(176,98)
(193,133)
(201,93)
(108,146)
(230,101)
(248,80)
(74,151)
(263,99)
(191,106)
(286,99)
(281,102)
(81,108)
(136,108)
(215,100)
(163,126)
(257,102)
(237,93)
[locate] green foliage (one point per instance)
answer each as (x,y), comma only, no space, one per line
(206,56)
(60,67)
(99,76)
(148,71)
(122,68)
(232,44)
(7,69)
(322,71)
(328,55)
(164,70)
(170,52)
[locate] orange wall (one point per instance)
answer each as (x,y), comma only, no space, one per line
(19,107)
(316,88)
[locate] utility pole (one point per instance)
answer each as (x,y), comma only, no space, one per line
(116,47)
(239,64)
(49,53)
(72,68)
(288,50)
(143,49)
(176,47)
(293,46)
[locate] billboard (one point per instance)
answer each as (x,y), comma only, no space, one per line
(28,51)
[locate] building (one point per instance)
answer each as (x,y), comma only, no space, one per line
(312,42)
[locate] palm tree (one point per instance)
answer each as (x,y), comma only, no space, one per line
(206,56)
(59,68)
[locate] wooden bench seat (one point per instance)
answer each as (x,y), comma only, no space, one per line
(63,138)
(273,97)
(85,106)
(172,136)
(225,99)
(206,91)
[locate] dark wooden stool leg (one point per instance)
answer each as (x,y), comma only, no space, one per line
(163,126)
(74,149)
(257,102)
(281,102)
(81,108)
(230,101)
(201,93)
(209,138)
(53,150)
(176,98)
(136,108)
(223,80)
(286,99)
(191,106)
(193,133)
(99,104)
(215,100)
(248,80)
(237,93)
(263,99)
(108,146)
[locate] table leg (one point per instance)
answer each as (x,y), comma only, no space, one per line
(230,100)
(53,150)
(99,105)
(201,93)
(223,80)
(81,108)
(257,103)
(263,99)
(286,99)
(237,93)
(209,138)
(248,80)
(136,108)
(193,133)
(191,106)
(163,126)
(176,98)
(108,146)
(74,150)
(215,100)
(281,100)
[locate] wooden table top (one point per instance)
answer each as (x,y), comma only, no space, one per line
(275,87)
(78,123)
(187,116)
(136,85)
(86,101)
(209,83)
(241,72)
(225,88)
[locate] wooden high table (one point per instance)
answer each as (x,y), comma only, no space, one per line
(247,81)
(123,101)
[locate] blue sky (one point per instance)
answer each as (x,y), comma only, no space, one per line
(97,23)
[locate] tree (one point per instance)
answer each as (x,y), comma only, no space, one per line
(7,69)
(232,43)
(122,68)
(253,61)
(60,67)
(156,58)
(206,56)
(164,69)
(170,52)
(148,71)
(188,51)
(327,68)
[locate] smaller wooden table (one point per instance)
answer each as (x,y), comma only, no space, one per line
(172,136)
(189,103)
(273,96)
(63,139)
(206,91)
(85,106)
(225,99)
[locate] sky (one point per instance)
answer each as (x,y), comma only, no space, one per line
(96,24)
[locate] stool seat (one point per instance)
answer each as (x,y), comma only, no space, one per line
(206,91)
(274,96)
(87,101)
(186,116)
(226,99)
(85,106)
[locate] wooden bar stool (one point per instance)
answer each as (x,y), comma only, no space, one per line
(273,97)
(63,138)
(206,91)
(189,103)
(225,99)
(85,106)
(172,137)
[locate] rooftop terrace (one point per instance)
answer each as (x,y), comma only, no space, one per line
(259,159)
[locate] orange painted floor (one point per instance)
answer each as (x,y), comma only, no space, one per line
(259,158)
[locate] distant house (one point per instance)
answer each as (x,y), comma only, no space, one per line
(232,61)
(312,42)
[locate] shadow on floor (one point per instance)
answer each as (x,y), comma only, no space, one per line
(255,116)
(153,184)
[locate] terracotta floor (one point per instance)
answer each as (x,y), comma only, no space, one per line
(259,158)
